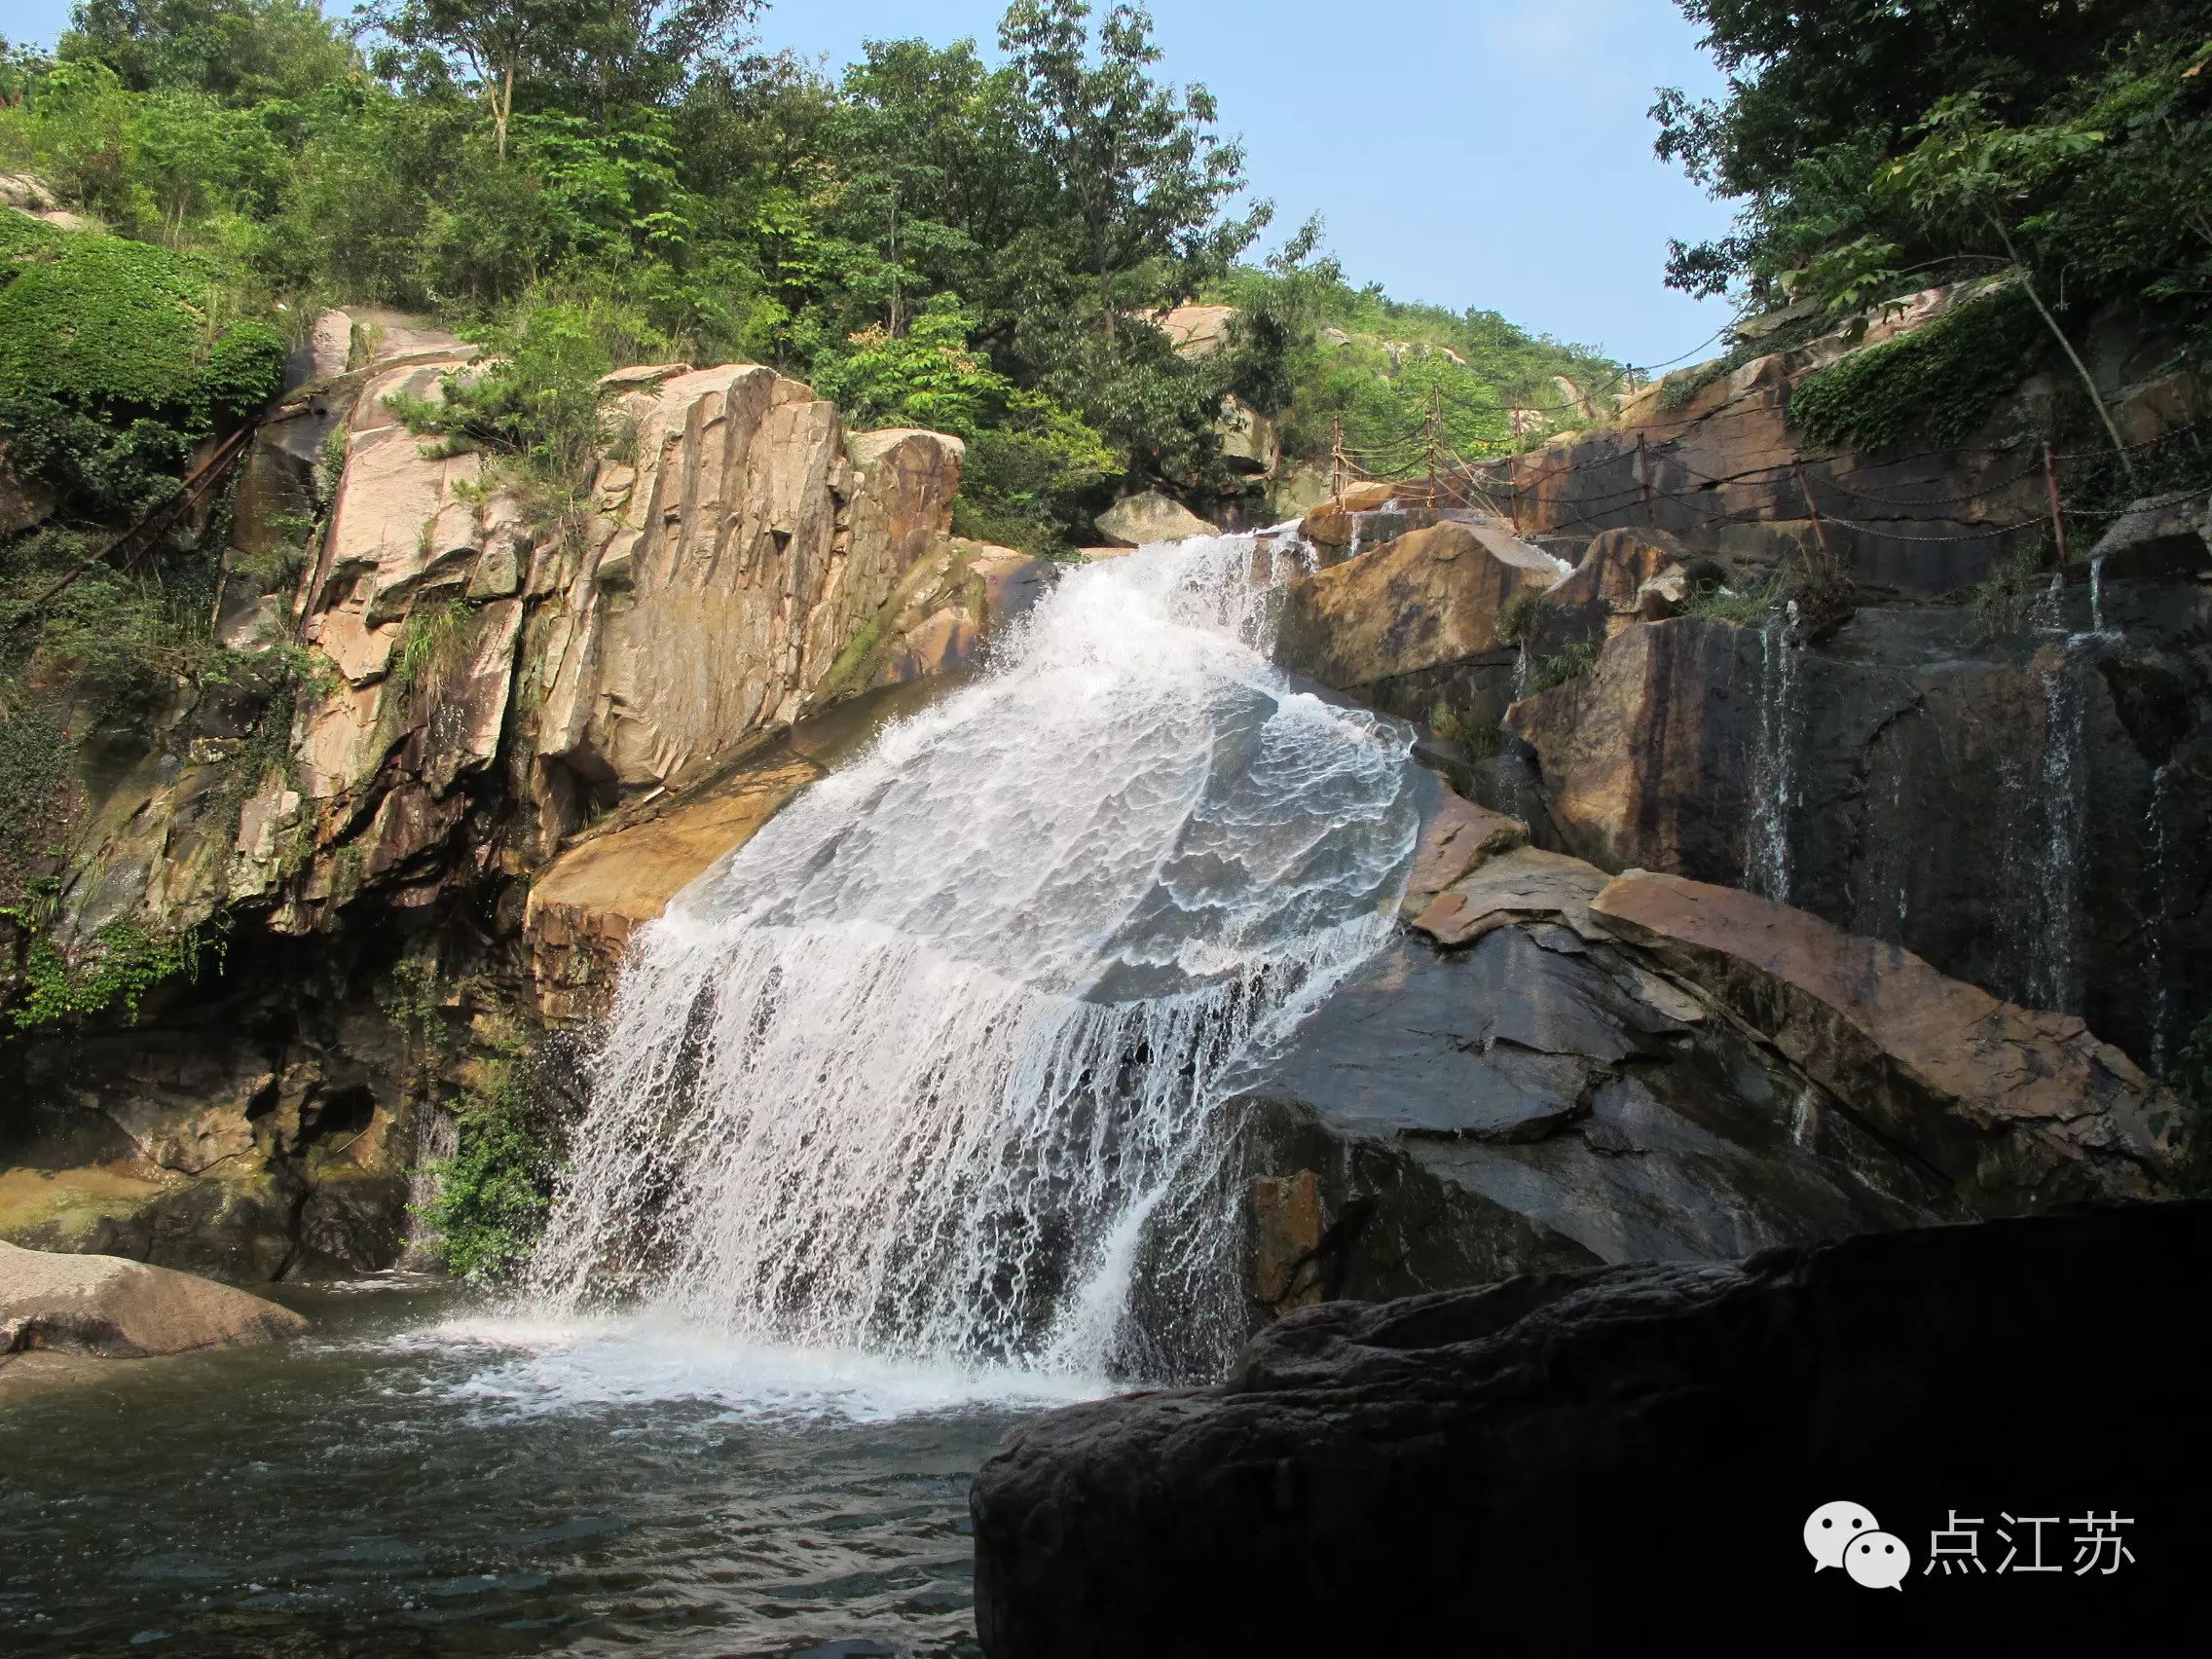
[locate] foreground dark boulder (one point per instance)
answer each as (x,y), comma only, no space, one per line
(1630,1453)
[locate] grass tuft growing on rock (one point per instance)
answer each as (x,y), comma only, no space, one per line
(1573,663)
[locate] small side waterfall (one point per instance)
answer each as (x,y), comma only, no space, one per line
(930,1066)
(2155,947)
(2055,973)
(1773,771)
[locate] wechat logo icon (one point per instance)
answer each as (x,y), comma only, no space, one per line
(1847,1536)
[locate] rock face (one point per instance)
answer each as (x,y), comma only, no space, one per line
(1418,1467)
(1139,521)
(2026,809)
(2019,1109)
(1714,459)
(122,1309)
(1626,577)
(1552,1068)
(455,685)
(1415,624)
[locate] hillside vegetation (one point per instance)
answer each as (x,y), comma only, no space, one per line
(928,237)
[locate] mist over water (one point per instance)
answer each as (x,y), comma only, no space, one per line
(929,1069)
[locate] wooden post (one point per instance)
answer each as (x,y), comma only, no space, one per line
(2058,517)
(1336,460)
(1820,531)
(1435,430)
(1643,475)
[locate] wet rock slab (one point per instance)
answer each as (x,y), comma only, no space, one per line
(1622,1460)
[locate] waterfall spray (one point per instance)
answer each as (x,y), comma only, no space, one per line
(932,1065)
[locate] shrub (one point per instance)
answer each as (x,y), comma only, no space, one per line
(496,1189)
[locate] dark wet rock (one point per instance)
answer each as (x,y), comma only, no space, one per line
(2029,810)
(1576,1462)
(2019,1109)
(1543,1100)
(2158,538)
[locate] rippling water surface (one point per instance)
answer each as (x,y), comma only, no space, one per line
(423,1476)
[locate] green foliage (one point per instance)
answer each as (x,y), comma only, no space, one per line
(1573,663)
(495,1190)
(1030,461)
(2007,602)
(115,358)
(118,968)
(1515,615)
(1718,603)
(1937,383)
(430,643)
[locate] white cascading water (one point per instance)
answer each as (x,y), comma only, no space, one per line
(930,1066)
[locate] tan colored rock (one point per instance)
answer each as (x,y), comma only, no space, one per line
(582,910)
(2021,1109)
(1635,770)
(1248,439)
(1515,886)
(1328,526)
(1140,521)
(120,1310)
(1607,590)
(1430,598)
(1454,839)
(330,346)
(1198,331)
(1286,1241)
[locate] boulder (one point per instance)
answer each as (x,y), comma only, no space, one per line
(1519,884)
(1198,331)
(1455,838)
(1416,622)
(118,1309)
(1570,1462)
(2158,538)
(2021,1110)
(1625,576)
(1140,521)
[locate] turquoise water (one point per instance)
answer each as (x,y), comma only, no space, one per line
(423,1476)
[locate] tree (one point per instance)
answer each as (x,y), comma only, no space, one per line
(608,50)
(1844,82)
(1969,170)
(237,50)
(1144,176)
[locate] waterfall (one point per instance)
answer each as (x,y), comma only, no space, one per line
(2054,978)
(931,1065)
(1773,780)
(2154,945)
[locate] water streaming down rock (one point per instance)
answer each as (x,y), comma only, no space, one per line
(927,1066)
(1774,762)
(2154,912)
(2054,977)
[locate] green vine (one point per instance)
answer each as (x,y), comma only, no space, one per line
(118,967)
(1937,384)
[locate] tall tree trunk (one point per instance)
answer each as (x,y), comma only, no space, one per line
(503,107)
(2088,380)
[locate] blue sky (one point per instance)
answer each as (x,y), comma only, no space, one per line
(1491,153)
